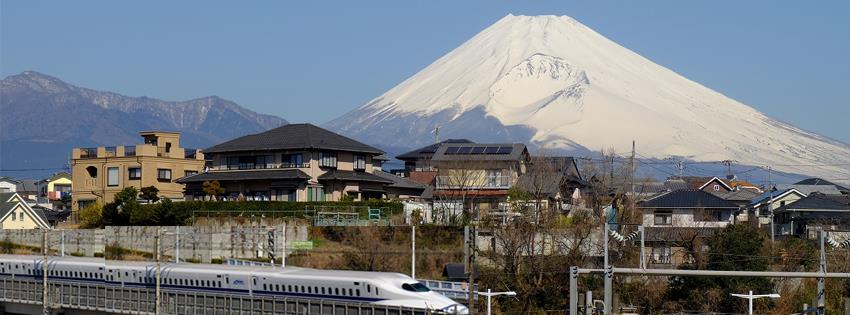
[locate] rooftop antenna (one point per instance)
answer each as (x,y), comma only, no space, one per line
(437,134)
(680,168)
(729,174)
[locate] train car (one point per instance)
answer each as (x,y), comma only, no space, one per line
(382,288)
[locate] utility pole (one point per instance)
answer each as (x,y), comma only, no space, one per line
(177,244)
(62,245)
(471,269)
(680,168)
(821,297)
(608,277)
(45,252)
(642,254)
(412,250)
(632,166)
(158,253)
(283,243)
(770,206)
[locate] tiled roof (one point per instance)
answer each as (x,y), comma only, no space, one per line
(817,201)
(687,199)
(246,175)
(294,137)
(740,195)
(428,151)
(352,176)
(808,189)
(819,181)
(767,196)
(399,182)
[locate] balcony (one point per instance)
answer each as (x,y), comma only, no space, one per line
(474,182)
(88,153)
(295,165)
(129,150)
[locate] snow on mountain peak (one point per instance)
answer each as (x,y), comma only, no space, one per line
(551,81)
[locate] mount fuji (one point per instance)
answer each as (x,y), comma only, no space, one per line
(554,83)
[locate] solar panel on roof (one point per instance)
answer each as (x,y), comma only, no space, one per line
(491,150)
(464,150)
(452,150)
(477,150)
(505,150)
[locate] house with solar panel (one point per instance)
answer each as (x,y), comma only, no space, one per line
(476,177)
(295,162)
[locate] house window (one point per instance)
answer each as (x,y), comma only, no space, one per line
(112,176)
(134,173)
(92,171)
(716,187)
(264,161)
(21,217)
(327,159)
(14,215)
(292,160)
(163,174)
(663,218)
(494,179)
(359,162)
(286,195)
(661,255)
(315,194)
(190,173)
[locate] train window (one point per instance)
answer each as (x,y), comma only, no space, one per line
(336,291)
(350,292)
(289,288)
(309,290)
(264,286)
(415,287)
(323,290)
(277,287)
(358,292)
(303,290)
(376,291)
(368,288)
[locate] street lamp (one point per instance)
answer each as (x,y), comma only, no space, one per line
(490,294)
(752,297)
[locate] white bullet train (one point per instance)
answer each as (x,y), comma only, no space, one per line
(381,288)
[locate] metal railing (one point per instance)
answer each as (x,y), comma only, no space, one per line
(88,153)
(452,290)
(474,182)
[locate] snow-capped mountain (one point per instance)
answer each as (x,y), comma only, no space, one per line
(552,82)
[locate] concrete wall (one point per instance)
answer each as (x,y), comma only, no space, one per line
(202,243)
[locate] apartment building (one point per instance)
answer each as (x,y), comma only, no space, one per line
(99,173)
(295,162)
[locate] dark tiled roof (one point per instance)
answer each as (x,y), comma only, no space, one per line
(740,195)
(246,175)
(818,181)
(517,152)
(687,199)
(353,176)
(26,185)
(399,182)
(428,151)
(294,137)
(8,179)
(817,201)
(767,196)
(382,157)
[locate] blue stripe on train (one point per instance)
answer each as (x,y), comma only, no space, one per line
(218,290)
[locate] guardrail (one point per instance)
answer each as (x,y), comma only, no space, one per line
(452,290)
(139,301)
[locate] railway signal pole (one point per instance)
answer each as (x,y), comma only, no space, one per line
(158,254)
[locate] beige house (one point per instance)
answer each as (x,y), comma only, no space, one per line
(15,213)
(99,173)
(295,162)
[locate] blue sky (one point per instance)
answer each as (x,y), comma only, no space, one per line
(314,60)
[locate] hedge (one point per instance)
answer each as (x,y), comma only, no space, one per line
(183,211)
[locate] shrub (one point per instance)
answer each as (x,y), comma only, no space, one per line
(91,216)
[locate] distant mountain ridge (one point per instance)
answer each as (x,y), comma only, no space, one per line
(43,117)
